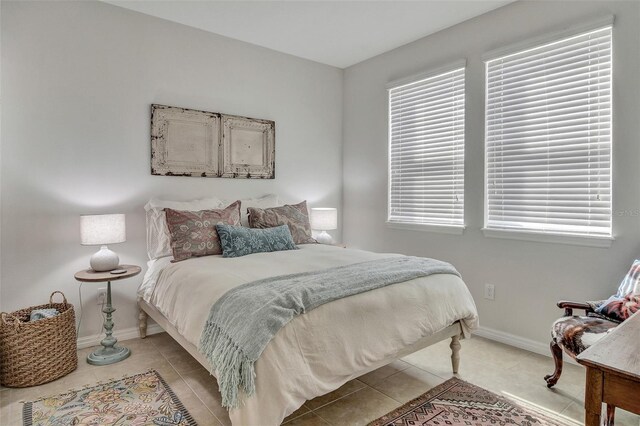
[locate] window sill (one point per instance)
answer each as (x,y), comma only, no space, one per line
(427,227)
(575,240)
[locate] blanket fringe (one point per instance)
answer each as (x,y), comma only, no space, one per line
(235,371)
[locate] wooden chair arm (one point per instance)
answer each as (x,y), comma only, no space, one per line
(570,306)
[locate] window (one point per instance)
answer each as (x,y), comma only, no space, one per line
(548,138)
(426,151)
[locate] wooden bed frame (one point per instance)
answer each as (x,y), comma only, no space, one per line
(454,331)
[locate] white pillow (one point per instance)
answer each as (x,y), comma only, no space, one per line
(265,202)
(158,241)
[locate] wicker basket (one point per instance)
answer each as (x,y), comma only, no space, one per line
(36,352)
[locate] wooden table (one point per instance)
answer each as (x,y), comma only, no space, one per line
(109,352)
(613,372)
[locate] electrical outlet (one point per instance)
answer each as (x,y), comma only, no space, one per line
(102,296)
(489,291)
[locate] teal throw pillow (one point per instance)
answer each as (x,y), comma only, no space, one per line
(239,241)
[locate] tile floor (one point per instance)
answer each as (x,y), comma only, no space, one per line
(494,366)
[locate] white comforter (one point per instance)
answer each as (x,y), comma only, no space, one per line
(319,351)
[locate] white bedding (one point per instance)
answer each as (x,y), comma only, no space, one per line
(319,351)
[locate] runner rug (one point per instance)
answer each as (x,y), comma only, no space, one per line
(456,402)
(142,399)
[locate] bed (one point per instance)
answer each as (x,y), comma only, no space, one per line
(318,351)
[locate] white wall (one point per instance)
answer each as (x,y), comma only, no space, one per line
(78,79)
(529,277)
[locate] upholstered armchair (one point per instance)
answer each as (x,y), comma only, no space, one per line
(575,333)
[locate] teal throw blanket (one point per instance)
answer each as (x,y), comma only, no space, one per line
(243,321)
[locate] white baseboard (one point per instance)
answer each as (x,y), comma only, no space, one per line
(518,342)
(121,334)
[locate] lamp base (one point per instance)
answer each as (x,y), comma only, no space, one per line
(104,260)
(324,238)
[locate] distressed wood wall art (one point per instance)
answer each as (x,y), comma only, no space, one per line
(186,142)
(248,149)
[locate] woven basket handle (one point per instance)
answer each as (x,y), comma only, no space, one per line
(9,319)
(64,299)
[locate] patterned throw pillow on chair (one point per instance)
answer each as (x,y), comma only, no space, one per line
(620,309)
(625,302)
(631,282)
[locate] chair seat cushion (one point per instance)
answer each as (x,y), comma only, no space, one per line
(575,334)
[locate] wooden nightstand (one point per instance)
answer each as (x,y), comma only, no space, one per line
(109,353)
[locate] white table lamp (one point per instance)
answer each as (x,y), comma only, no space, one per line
(101,230)
(324,219)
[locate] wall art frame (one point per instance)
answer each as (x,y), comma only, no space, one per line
(188,142)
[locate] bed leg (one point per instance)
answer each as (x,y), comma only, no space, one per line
(142,323)
(455,353)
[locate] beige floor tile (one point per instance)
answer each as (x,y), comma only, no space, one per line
(138,346)
(518,385)
(574,411)
(12,416)
(534,367)
(476,354)
(344,390)
(408,384)
(622,418)
(183,362)
(357,408)
(205,387)
(10,409)
(437,358)
(383,372)
(299,412)
(201,414)
(74,380)
(105,374)
(119,370)
(163,342)
(309,419)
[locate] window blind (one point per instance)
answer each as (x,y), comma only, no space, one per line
(548,137)
(426,150)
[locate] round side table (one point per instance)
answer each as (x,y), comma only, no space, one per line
(109,353)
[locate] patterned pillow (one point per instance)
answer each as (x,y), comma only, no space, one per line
(240,241)
(296,217)
(620,309)
(194,234)
(631,282)
(158,238)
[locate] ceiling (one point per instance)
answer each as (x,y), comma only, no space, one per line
(338,33)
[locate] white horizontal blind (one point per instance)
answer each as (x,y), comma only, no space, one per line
(548,137)
(426,151)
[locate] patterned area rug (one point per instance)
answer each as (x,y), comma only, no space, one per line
(143,399)
(456,402)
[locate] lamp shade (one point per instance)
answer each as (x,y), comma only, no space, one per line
(102,229)
(324,218)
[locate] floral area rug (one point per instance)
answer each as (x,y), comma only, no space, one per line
(456,402)
(143,399)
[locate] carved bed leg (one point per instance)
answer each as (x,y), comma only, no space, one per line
(142,323)
(455,353)
(556,351)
